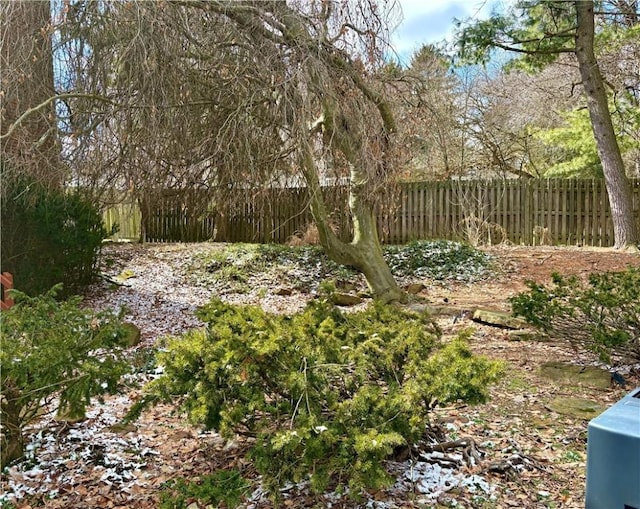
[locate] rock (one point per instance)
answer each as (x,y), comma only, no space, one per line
(284,292)
(122,429)
(572,374)
(132,335)
(345,299)
(415,288)
(419,307)
(578,408)
(498,319)
(524,335)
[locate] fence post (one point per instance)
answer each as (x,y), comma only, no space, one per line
(6,281)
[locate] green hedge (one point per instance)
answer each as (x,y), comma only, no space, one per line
(49,238)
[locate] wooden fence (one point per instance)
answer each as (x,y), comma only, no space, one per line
(173,219)
(528,212)
(554,211)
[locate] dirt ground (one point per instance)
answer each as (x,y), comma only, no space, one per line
(532,456)
(518,417)
(519,264)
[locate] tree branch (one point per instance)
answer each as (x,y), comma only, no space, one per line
(31,111)
(237,11)
(515,49)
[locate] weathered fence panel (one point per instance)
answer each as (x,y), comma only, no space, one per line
(126,219)
(528,212)
(176,216)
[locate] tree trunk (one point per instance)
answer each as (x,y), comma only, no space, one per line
(364,253)
(368,251)
(27,81)
(618,187)
(11,440)
(343,133)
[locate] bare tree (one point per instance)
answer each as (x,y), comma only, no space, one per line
(240,96)
(507,109)
(427,102)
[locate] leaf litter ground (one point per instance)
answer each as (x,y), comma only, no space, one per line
(510,452)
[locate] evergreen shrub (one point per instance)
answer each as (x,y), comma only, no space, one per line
(222,486)
(49,237)
(53,350)
(601,316)
(325,396)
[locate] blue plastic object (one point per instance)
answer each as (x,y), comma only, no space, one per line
(613,456)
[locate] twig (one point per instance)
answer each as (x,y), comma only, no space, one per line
(468,449)
(544,259)
(514,464)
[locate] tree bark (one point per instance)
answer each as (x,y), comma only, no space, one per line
(368,256)
(27,82)
(618,187)
(364,252)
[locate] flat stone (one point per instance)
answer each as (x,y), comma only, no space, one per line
(415,288)
(578,408)
(498,319)
(572,374)
(345,299)
(524,335)
(122,429)
(436,310)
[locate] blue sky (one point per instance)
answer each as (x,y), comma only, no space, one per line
(430,21)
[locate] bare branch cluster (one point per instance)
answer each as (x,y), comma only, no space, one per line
(221,93)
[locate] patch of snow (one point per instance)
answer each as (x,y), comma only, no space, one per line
(432,480)
(61,456)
